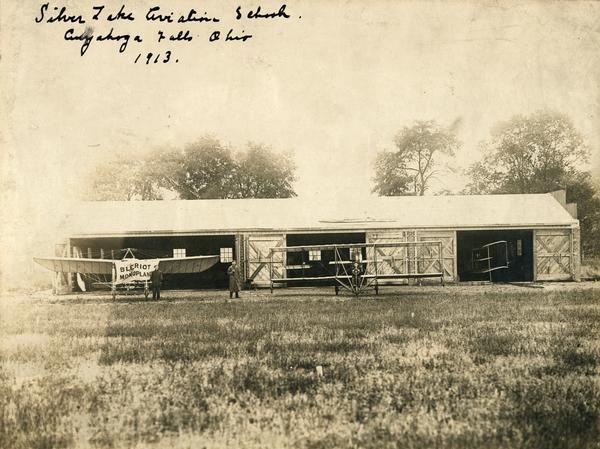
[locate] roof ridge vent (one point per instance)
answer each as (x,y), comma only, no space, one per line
(359,220)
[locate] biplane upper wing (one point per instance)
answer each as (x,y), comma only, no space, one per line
(195,264)
(76,265)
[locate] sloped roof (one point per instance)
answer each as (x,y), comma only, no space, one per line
(461,211)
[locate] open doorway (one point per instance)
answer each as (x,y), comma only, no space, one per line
(317,262)
(150,247)
(512,261)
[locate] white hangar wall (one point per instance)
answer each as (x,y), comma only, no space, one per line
(555,251)
(261,224)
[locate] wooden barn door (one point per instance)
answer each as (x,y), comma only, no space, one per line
(258,248)
(553,254)
(448,239)
(398,260)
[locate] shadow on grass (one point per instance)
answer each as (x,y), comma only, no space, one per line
(185,366)
(554,412)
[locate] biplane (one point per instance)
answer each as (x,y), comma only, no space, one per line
(128,272)
(490,258)
(356,267)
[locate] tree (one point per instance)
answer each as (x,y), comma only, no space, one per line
(538,154)
(582,191)
(204,169)
(416,160)
(391,174)
(122,180)
(534,154)
(262,174)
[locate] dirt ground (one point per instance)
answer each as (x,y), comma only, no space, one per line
(263,294)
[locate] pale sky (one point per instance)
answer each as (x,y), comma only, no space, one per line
(333,87)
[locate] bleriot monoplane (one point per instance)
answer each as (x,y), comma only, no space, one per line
(129,271)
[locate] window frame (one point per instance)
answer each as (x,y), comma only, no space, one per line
(179,253)
(314,255)
(353,251)
(226,251)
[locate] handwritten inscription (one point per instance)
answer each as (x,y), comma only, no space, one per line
(102,25)
(258,14)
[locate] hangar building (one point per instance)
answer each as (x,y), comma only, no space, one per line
(540,230)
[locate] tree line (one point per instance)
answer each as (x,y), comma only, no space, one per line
(204,169)
(538,153)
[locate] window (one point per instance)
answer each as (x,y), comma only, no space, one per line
(226,255)
(519,248)
(314,254)
(178,252)
(89,253)
(355,253)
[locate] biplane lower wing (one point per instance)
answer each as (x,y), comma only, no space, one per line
(75,265)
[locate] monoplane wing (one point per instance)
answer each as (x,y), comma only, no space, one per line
(76,265)
(195,264)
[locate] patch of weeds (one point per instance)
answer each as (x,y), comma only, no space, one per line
(570,356)
(36,415)
(555,412)
(574,357)
(398,339)
(253,378)
(295,382)
(328,441)
(417,322)
(490,343)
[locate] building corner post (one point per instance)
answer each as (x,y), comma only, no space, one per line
(70,287)
(576,253)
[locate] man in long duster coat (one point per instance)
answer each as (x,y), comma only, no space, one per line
(156,278)
(234,280)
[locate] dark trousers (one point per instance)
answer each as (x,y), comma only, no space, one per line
(237,294)
(155,292)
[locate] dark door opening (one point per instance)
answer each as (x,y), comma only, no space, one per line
(315,263)
(164,247)
(519,255)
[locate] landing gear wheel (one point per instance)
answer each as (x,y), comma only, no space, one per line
(146,293)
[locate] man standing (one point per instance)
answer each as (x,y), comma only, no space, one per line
(234,280)
(156,278)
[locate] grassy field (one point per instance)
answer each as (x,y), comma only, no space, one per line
(449,367)
(590,268)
